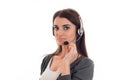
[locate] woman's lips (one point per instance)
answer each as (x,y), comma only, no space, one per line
(61,39)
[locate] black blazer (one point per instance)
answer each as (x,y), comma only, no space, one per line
(81,69)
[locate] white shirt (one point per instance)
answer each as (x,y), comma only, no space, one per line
(48,74)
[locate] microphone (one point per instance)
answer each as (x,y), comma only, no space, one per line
(66,43)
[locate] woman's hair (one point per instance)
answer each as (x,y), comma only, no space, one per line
(74,18)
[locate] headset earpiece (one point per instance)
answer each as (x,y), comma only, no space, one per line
(80,30)
(53,30)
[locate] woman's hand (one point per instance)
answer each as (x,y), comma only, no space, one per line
(71,53)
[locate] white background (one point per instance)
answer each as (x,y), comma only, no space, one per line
(26,35)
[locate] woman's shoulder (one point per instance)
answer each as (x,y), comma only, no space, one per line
(47,57)
(45,61)
(82,62)
(83,68)
(85,61)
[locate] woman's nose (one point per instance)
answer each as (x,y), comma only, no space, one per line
(60,32)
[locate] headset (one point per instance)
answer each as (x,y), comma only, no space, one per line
(80,30)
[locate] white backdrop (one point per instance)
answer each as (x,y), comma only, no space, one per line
(26,35)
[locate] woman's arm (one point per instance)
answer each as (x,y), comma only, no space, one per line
(82,72)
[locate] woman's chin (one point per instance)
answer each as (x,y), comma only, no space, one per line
(60,43)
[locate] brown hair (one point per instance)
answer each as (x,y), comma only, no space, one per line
(73,17)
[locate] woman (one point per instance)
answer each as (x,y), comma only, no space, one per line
(70,61)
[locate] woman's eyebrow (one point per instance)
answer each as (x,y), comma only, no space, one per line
(55,25)
(62,25)
(66,25)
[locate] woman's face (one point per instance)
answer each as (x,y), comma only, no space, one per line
(64,30)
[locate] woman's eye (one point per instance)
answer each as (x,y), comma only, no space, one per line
(66,27)
(56,28)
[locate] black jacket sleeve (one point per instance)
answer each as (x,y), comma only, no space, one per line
(83,71)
